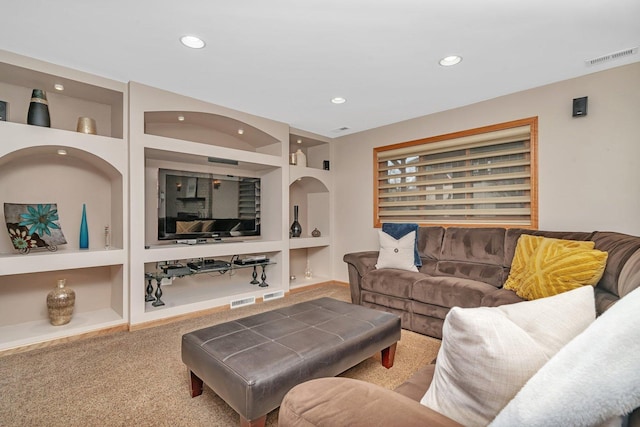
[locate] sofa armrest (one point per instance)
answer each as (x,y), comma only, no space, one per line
(359,264)
(348,402)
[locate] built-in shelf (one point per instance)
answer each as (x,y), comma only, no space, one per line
(40,331)
(204,140)
(43,260)
(301,281)
(309,242)
(310,188)
(59,165)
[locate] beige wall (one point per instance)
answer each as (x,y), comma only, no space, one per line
(589,177)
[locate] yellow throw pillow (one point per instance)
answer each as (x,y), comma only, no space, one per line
(544,266)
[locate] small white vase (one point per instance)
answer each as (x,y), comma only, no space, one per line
(301,158)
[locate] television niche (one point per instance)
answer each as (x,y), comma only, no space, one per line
(194,205)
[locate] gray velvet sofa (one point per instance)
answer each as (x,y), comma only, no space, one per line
(467,267)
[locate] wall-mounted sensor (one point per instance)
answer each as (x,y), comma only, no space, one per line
(580,106)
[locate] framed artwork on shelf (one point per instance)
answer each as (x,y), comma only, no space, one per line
(192,187)
(33,226)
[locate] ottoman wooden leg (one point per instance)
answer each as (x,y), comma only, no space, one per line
(388,354)
(196,385)
(254,423)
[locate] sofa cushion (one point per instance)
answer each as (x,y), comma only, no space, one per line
(473,253)
(331,402)
(513,234)
(488,353)
(620,248)
(390,281)
(594,377)
(397,253)
(429,242)
(447,291)
(488,273)
(478,245)
(544,266)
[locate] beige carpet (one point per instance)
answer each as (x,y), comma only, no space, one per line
(138,379)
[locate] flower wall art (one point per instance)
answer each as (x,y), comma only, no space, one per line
(33,226)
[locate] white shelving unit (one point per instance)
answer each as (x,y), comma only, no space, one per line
(93,172)
(160,140)
(138,133)
(310,189)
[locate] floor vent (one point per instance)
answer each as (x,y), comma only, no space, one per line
(612,56)
(242,302)
(273,295)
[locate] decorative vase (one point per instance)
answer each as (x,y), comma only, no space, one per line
(315,232)
(307,272)
(84,229)
(86,125)
(293,160)
(60,303)
(301,158)
(38,114)
(296,229)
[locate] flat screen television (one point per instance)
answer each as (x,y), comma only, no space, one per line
(194,205)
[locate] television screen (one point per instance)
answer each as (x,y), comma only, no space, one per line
(202,205)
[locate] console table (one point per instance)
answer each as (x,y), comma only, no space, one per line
(156,297)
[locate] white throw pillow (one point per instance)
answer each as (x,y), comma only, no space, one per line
(591,380)
(489,353)
(397,253)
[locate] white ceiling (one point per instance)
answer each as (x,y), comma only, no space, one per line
(285,59)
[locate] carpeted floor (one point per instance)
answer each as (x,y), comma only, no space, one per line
(138,379)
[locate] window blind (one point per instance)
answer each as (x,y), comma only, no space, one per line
(484,176)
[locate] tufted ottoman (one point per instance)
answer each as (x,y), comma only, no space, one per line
(253,362)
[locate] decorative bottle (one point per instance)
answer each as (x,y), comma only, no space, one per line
(107,237)
(307,272)
(84,229)
(296,229)
(38,114)
(60,303)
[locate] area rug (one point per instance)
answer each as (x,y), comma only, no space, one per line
(138,379)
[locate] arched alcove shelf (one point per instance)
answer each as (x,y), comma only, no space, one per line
(312,198)
(208,128)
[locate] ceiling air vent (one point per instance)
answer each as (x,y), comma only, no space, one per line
(612,56)
(340,129)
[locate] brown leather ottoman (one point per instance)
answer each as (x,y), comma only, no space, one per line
(253,362)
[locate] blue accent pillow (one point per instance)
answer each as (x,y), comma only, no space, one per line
(399,230)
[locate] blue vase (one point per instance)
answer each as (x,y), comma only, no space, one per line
(84,230)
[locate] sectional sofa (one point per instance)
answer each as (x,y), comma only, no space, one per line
(467,267)
(590,378)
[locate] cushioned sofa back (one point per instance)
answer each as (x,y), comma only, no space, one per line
(429,247)
(621,247)
(473,253)
(511,240)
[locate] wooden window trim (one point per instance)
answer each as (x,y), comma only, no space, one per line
(532,122)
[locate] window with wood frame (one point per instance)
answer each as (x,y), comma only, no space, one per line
(479,177)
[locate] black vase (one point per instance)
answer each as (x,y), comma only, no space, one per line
(296,230)
(39,109)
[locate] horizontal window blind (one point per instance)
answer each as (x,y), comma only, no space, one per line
(484,176)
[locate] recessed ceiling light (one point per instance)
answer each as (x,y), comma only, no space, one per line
(240,131)
(338,100)
(58,86)
(62,152)
(448,61)
(181,118)
(299,141)
(192,41)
